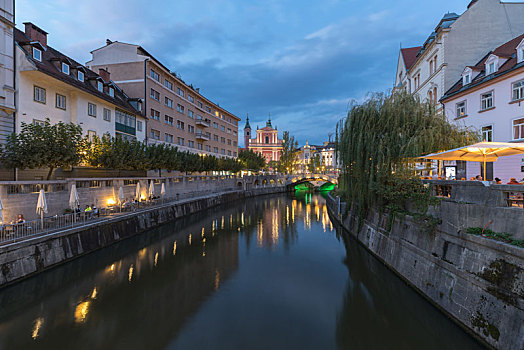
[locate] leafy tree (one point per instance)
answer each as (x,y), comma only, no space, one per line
(251,160)
(378,143)
(44,146)
(314,164)
(289,156)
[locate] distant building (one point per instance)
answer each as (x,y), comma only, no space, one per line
(431,69)
(177,113)
(54,86)
(7,70)
(325,152)
(265,142)
(488,97)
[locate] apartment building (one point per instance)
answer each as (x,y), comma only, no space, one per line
(53,86)
(7,69)
(489,98)
(431,69)
(177,113)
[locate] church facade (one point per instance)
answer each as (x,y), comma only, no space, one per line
(265,142)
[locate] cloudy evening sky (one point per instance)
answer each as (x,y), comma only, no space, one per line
(302,61)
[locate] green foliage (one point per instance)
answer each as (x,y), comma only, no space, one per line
(503,237)
(315,164)
(44,146)
(251,160)
(289,156)
(377,145)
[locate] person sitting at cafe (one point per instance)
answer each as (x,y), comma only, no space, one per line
(513,181)
(498,181)
(20,219)
(95,210)
(478,178)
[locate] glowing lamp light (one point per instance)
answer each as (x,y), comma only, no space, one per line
(111,201)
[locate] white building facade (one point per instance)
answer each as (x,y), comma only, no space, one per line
(55,87)
(489,98)
(7,69)
(457,41)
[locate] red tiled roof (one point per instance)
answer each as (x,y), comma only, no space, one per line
(506,50)
(409,55)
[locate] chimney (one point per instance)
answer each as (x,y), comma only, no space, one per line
(104,74)
(197,90)
(35,33)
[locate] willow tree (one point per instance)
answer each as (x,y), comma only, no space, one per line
(378,143)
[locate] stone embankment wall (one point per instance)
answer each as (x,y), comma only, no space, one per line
(477,281)
(29,257)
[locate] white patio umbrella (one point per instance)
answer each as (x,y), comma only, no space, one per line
(2,211)
(163,191)
(73,198)
(138,192)
(121,196)
(151,191)
(480,152)
(41,206)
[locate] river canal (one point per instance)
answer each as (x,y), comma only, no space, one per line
(267,273)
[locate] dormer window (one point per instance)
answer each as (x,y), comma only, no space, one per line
(111,92)
(520,52)
(65,68)
(100,86)
(491,68)
(492,64)
(466,79)
(37,54)
(81,75)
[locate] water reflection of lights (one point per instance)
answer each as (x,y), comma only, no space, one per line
(217,279)
(81,311)
(142,252)
(202,232)
(156,258)
(174,248)
(260,233)
(275,226)
(130,274)
(242,219)
(190,239)
(94,293)
(36,329)
(222,225)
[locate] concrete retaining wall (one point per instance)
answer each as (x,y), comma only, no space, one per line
(27,258)
(477,281)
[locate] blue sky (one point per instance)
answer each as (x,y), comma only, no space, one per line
(302,61)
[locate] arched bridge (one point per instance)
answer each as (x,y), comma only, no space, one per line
(297,179)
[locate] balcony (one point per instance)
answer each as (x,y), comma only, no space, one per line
(202,136)
(202,122)
(125,129)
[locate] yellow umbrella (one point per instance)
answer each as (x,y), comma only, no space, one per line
(480,152)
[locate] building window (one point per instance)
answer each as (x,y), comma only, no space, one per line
(154,75)
(491,68)
(91,135)
(222,128)
(518,90)
(138,125)
(518,129)
(228,153)
(80,76)
(486,100)
(39,94)
(180,125)
(466,79)
(107,115)
(180,108)
(234,154)
(111,92)
(38,122)
(461,109)
(190,113)
(100,86)
(200,146)
(215,125)
(215,149)
(60,101)
(155,114)
(487,133)
(37,54)
(191,144)
(234,143)
(180,141)
(228,131)
(91,109)
(200,104)
(168,138)
(180,92)
(215,137)
(168,120)
(155,95)
(168,84)
(267,139)
(208,109)
(223,151)
(223,139)
(65,68)
(208,148)
(191,129)
(155,134)
(229,142)
(190,98)
(168,102)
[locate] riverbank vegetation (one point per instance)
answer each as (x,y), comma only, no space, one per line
(62,145)
(378,145)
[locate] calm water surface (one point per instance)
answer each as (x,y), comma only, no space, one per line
(267,273)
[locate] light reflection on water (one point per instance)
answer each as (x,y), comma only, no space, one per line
(264,273)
